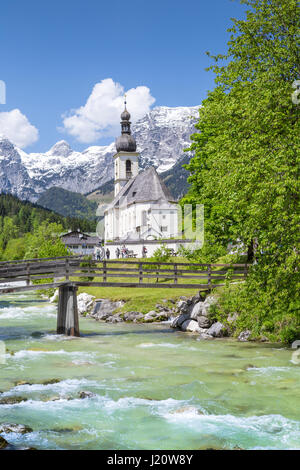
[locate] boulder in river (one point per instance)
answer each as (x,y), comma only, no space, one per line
(203,321)
(85,303)
(37,334)
(133,316)
(12,400)
(22,382)
(184,307)
(179,320)
(217,330)
(116,318)
(150,316)
(244,335)
(191,326)
(18,428)
(50,381)
(3,443)
(208,302)
(86,394)
(104,308)
(197,310)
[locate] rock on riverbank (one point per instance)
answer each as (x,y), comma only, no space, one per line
(193,315)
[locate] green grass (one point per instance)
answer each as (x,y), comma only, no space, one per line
(138,298)
(144,299)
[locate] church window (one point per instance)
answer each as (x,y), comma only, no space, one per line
(128,169)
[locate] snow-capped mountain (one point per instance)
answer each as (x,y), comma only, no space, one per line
(161,137)
(163,134)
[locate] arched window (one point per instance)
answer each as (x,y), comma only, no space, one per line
(128,169)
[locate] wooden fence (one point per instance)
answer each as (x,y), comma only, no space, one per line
(52,272)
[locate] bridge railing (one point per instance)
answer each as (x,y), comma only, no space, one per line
(121,273)
(39,260)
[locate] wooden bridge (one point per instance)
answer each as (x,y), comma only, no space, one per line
(68,273)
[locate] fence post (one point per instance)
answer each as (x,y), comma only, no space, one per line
(67,269)
(28,274)
(245,271)
(209,276)
(140,273)
(104,271)
(175,274)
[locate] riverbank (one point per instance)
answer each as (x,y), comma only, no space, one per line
(196,314)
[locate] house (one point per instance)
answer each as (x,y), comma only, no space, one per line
(80,243)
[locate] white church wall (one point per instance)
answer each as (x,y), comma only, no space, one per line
(160,219)
(151,246)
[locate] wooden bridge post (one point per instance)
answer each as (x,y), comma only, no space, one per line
(209,276)
(67,314)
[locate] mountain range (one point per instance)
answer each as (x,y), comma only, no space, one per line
(161,136)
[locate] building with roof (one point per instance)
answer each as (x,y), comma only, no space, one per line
(80,243)
(143,208)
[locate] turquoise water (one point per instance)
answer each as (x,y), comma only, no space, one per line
(154,388)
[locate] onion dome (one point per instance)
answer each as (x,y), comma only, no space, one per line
(125,116)
(125,143)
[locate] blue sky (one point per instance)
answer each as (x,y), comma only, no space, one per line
(54,53)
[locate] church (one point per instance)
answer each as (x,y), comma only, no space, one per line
(143,210)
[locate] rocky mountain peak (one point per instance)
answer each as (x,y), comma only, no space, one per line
(5,145)
(161,136)
(60,149)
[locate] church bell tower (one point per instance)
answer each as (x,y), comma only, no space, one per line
(126,160)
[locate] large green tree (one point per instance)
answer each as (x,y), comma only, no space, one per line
(246,164)
(45,242)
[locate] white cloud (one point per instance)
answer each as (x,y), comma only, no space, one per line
(15,127)
(100,116)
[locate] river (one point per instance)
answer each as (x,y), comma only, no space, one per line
(153,387)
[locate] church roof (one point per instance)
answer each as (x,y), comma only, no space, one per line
(145,186)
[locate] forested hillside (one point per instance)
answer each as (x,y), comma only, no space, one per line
(68,203)
(28,230)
